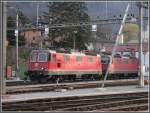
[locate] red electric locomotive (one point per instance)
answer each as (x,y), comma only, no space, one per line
(122,66)
(49,65)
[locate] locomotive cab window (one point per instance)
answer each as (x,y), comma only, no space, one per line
(42,56)
(79,58)
(33,57)
(105,60)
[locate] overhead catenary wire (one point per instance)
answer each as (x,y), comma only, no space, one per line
(37,18)
(100,22)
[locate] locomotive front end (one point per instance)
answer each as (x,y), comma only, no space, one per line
(38,64)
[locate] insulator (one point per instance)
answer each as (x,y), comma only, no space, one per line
(120,15)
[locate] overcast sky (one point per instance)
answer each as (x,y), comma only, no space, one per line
(99,9)
(94,8)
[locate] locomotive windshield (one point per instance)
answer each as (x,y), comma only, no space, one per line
(33,56)
(38,56)
(42,56)
(105,60)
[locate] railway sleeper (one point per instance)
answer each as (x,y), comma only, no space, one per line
(77,99)
(56,105)
(133,107)
(48,106)
(52,102)
(104,105)
(87,102)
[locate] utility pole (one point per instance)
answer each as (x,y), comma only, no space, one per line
(17,33)
(4,27)
(41,44)
(37,12)
(94,30)
(106,9)
(141,76)
(1,56)
(74,40)
(106,17)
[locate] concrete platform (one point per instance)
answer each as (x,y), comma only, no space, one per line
(77,92)
(14,80)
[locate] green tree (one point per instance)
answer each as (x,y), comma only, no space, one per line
(130,32)
(11,26)
(10,30)
(68,12)
(23,19)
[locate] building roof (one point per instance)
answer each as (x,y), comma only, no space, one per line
(32,28)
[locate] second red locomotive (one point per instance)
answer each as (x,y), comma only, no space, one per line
(121,66)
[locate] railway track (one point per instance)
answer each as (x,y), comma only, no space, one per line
(23,82)
(68,86)
(114,102)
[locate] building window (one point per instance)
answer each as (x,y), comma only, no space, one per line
(79,58)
